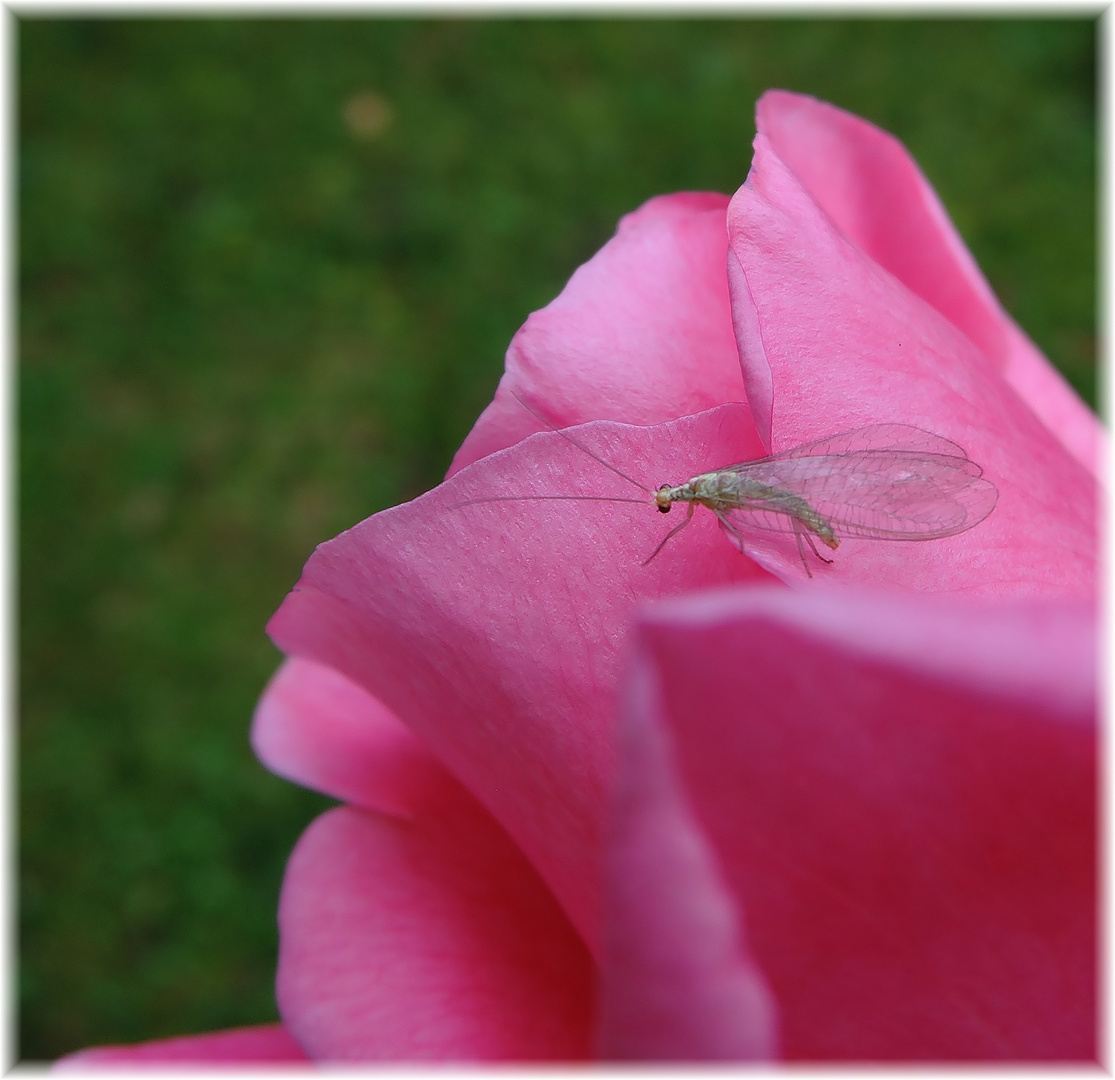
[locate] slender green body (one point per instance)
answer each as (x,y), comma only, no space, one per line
(731,489)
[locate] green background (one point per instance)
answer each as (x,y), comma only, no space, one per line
(267,274)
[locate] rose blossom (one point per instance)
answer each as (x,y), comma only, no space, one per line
(843,820)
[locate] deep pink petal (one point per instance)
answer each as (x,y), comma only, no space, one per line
(268,1044)
(493,630)
(901,795)
(642,332)
(319,729)
(874,193)
(427,940)
(831,342)
(677,981)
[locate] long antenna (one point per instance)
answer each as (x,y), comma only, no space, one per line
(538,498)
(584,449)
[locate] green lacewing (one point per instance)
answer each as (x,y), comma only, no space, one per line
(881,482)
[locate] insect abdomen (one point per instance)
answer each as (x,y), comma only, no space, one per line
(731,489)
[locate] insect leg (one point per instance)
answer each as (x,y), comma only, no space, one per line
(673,532)
(801,550)
(731,530)
(814,547)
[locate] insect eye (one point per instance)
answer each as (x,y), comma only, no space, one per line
(664,508)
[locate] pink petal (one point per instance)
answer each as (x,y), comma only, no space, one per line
(677,982)
(830,342)
(901,795)
(267,1044)
(428,940)
(874,193)
(641,333)
(315,727)
(493,630)
(1044,389)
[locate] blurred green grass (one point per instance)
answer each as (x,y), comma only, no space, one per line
(267,273)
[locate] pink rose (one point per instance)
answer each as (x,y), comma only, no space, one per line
(840,820)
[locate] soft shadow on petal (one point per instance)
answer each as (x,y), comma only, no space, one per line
(677,981)
(319,729)
(268,1044)
(427,940)
(901,793)
(868,185)
(642,333)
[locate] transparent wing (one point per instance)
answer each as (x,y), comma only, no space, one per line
(887,481)
(882,437)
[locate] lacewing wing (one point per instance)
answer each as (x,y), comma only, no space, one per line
(885,482)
